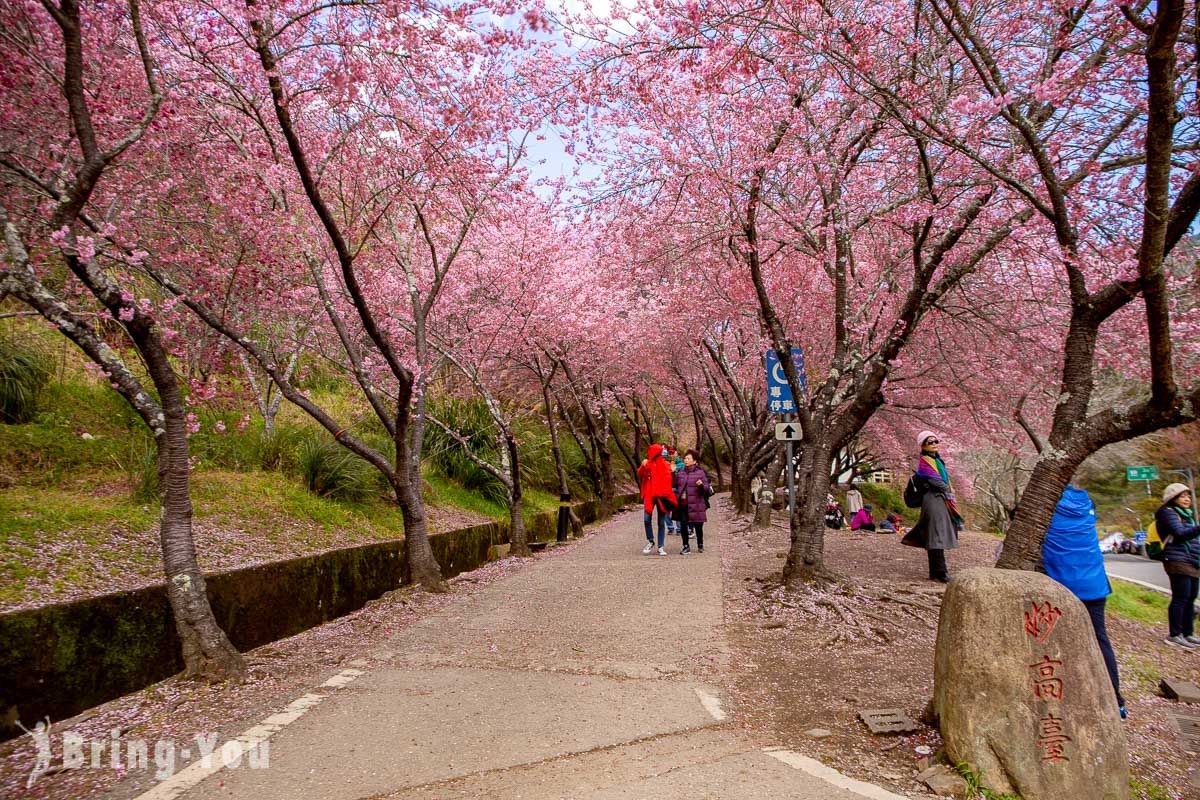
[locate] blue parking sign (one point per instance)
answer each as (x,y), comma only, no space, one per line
(779,394)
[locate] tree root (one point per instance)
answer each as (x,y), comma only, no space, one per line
(858,614)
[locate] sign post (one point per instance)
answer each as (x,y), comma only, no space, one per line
(781,401)
(789,432)
(1146,474)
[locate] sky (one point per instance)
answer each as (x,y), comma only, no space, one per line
(548,158)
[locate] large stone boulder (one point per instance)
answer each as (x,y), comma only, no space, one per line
(1020,689)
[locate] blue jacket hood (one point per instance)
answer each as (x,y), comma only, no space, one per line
(1071,551)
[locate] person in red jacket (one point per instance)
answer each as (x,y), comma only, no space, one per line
(654,475)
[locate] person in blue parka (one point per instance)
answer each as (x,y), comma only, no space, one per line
(1071,555)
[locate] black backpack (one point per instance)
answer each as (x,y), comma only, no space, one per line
(913,492)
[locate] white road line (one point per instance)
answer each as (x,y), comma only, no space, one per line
(236,748)
(712,704)
(342,678)
(830,775)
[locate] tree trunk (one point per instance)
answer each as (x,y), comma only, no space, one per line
(716,459)
(1034,511)
(406,482)
(806,557)
(740,494)
(272,411)
(608,488)
(517,538)
(560,466)
(631,456)
(638,448)
(207,651)
(743,474)
(762,513)
(422,566)
(762,510)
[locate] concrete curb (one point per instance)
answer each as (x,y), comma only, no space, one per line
(1143,584)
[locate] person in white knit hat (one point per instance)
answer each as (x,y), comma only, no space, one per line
(1176,522)
(937,529)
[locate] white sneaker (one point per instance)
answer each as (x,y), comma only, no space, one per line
(1179,641)
(648,549)
(662,552)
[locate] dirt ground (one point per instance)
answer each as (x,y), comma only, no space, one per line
(813,659)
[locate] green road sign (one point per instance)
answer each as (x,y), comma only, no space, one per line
(1141,473)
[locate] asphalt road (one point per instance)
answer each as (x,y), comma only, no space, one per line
(1138,569)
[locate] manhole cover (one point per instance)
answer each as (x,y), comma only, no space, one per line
(889,720)
(1189,731)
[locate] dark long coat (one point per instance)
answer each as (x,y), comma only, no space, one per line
(685,481)
(935,529)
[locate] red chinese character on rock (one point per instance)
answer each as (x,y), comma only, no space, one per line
(1045,685)
(1039,621)
(1051,738)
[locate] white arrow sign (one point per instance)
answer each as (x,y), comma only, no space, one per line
(788,431)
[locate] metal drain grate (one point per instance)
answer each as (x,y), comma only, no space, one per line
(889,720)
(1189,731)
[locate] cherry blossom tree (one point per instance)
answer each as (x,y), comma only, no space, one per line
(83,95)
(1093,118)
(772,147)
(487,329)
(390,126)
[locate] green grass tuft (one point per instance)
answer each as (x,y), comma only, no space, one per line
(23,374)
(977,791)
(1149,790)
(330,470)
(1137,603)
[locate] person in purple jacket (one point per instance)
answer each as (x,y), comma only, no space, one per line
(693,490)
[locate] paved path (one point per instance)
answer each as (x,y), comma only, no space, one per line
(1138,569)
(590,673)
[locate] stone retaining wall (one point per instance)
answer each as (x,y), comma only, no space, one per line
(59,660)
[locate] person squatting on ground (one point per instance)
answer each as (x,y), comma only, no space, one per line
(654,476)
(692,490)
(1176,521)
(890,524)
(863,520)
(937,529)
(1071,555)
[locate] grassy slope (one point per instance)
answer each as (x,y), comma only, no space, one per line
(1133,602)
(70,523)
